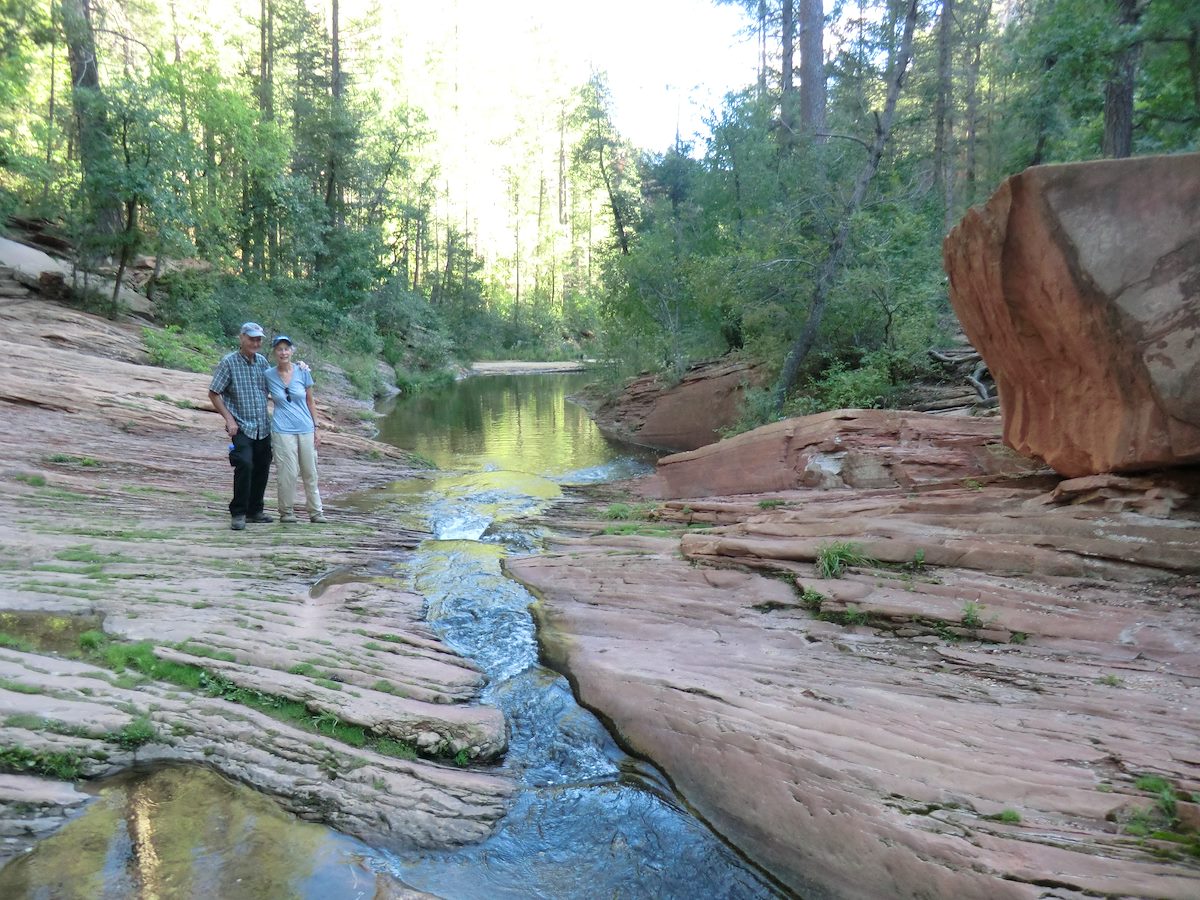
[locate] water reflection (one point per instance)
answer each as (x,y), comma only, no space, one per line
(518,423)
(184,831)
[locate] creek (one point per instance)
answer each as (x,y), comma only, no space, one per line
(587,820)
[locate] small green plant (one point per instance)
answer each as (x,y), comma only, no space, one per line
(812,600)
(13,642)
(834,559)
(972,615)
(1018,637)
(917,565)
(618,511)
(972,484)
(308,670)
(1109,680)
(92,640)
(31,479)
(772,503)
(19,687)
(1008,816)
(138,732)
(1151,784)
(66,459)
(461,759)
(854,616)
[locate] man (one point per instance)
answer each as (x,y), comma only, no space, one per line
(239,393)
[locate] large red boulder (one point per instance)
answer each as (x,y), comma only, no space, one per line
(1080,285)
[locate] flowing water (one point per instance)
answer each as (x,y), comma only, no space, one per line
(588,820)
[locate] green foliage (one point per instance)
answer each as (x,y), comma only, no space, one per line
(138,732)
(171,348)
(834,559)
(972,615)
(13,642)
(32,480)
(65,765)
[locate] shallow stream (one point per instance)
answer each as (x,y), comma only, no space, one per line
(588,820)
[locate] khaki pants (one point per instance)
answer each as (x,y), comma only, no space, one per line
(295,455)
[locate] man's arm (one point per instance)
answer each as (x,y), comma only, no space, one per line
(218,402)
(312,411)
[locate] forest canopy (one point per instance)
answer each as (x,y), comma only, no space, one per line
(322,173)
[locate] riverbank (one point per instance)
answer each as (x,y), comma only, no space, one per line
(948,681)
(136,627)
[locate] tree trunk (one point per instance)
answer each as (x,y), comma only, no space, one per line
(812,67)
(943,177)
(618,219)
(50,106)
(333,188)
(977,38)
(883,126)
(1118,92)
(95,138)
(762,48)
(787,96)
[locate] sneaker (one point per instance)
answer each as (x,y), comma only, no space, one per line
(238,523)
(287,518)
(319,519)
(260,518)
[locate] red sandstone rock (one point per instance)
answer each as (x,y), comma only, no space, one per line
(873,760)
(1080,285)
(866,448)
(684,416)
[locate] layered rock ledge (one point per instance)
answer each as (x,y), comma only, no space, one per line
(113,512)
(999,698)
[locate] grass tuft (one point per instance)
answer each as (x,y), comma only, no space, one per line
(834,559)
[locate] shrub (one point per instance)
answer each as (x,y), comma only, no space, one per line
(172,348)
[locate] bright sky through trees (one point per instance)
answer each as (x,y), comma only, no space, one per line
(668,61)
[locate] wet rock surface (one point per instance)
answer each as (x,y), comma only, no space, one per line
(1080,285)
(113,506)
(999,697)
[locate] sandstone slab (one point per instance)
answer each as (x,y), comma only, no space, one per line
(680,416)
(865,448)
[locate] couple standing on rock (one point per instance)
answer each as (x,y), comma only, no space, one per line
(239,390)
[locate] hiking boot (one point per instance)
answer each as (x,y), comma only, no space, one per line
(238,523)
(259,518)
(319,519)
(287,518)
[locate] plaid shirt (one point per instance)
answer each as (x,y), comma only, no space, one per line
(242,384)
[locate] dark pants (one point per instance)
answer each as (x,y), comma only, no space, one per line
(251,461)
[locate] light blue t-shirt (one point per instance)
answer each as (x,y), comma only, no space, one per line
(291,415)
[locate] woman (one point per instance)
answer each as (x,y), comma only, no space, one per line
(293,432)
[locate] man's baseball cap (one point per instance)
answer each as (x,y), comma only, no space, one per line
(252,329)
(282,339)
